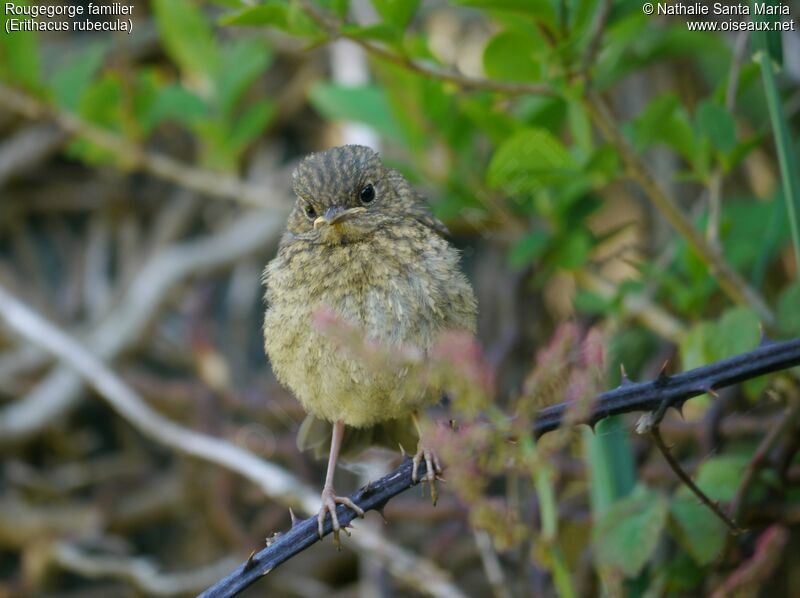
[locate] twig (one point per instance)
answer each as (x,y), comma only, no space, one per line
(273,480)
(139,572)
(639,307)
(761,454)
(491,564)
(655,432)
(334,30)
(26,148)
(202,181)
(278,483)
(595,38)
(646,396)
(715,183)
(729,280)
(674,391)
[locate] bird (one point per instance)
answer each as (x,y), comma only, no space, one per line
(362,243)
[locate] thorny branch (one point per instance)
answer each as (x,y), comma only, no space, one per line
(670,391)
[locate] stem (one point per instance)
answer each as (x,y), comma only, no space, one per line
(729,280)
(783,146)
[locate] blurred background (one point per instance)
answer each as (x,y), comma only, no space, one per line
(623,190)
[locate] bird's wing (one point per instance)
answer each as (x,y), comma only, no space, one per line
(422,213)
(315,435)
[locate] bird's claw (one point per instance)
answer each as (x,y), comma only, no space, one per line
(329,502)
(432,469)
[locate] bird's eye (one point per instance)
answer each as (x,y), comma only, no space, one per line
(367,194)
(310,211)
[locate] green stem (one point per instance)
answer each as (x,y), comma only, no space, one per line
(542,475)
(783,145)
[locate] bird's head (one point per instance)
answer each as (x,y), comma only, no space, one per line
(344,194)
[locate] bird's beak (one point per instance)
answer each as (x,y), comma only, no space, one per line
(336,214)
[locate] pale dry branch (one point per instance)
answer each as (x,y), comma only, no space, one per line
(139,572)
(60,390)
(640,307)
(26,148)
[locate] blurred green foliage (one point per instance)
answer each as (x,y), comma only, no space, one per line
(528,168)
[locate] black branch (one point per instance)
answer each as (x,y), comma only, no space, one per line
(665,391)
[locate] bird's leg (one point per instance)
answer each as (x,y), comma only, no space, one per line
(329,498)
(432,465)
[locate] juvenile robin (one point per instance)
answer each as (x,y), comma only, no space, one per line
(362,243)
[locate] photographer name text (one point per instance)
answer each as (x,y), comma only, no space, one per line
(719,8)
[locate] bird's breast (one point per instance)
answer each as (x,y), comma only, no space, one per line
(383,288)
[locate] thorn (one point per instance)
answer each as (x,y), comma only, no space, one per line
(365,490)
(592,426)
(662,373)
(252,561)
(712,392)
(624,381)
(453,424)
(645,423)
(294,518)
(679,409)
(402,450)
(381,513)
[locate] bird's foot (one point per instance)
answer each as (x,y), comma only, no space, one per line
(432,468)
(329,502)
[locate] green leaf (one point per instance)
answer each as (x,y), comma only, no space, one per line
(242,62)
(738,331)
(251,124)
(529,160)
(187,38)
(497,124)
(717,124)
(274,14)
(591,303)
(19,52)
(511,56)
(380,32)
(572,251)
(665,120)
(696,529)
(528,249)
(363,103)
(300,24)
(603,165)
(396,12)
(174,102)
(541,10)
(719,477)
(100,104)
(629,531)
(789,311)
(694,351)
(71,81)
(338,7)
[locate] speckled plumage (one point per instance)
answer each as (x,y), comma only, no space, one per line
(386,269)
